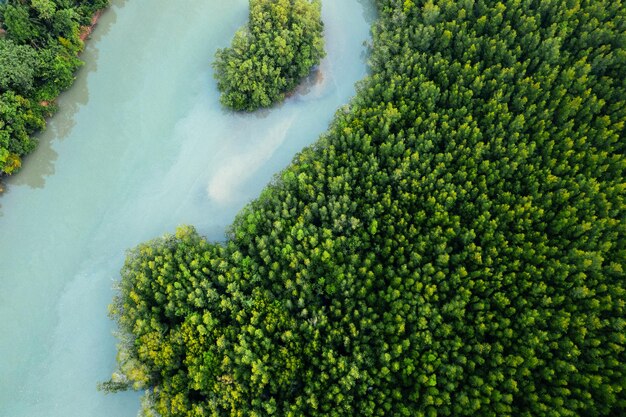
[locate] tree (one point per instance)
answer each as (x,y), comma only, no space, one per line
(18,65)
(268,58)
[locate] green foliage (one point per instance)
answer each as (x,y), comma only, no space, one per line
(268,58)
(45,8)
(455,245)
(38,59)
(17,21)
(18,64)
(19,119)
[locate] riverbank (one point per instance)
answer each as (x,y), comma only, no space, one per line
(85,31)
(30,89)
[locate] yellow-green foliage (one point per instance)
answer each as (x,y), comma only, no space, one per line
(268,57)
(454,246)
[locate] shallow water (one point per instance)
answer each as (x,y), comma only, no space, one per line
(139,146)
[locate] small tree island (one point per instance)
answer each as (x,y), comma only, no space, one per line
(271,54)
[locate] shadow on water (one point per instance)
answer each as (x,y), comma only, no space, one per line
(40,164)
(370,12)
(308,84)
(314,79)
(3,189)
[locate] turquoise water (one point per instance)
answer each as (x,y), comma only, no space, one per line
(139,146)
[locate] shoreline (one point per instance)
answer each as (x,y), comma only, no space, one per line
(85,31)
(315,77)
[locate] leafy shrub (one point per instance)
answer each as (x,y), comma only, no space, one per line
(279,46)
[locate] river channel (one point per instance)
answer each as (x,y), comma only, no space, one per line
(139,146)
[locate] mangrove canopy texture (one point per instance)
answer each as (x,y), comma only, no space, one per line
(269,57)
(454,245)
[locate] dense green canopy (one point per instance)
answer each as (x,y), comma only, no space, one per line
(455,245)
(39,43)
(268,57)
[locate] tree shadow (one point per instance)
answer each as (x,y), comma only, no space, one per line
(3,190)
(315,78)
(370,12)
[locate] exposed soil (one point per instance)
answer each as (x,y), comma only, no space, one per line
(85,31)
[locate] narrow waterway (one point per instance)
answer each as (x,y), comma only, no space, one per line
(140,145)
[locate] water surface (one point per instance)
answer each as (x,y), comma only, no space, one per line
(139,146)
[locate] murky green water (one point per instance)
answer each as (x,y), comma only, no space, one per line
(140,146)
